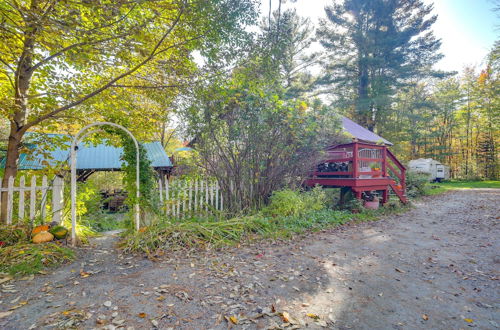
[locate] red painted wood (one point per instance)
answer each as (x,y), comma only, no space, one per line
(370,159)
(383,183)
(384,162)
(355,160)
(371,146)
(332,173)
(337,160)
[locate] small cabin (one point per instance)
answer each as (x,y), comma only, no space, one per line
(366,166)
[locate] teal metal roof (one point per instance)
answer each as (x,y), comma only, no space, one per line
(89,157)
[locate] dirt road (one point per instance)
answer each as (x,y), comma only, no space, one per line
(435,267)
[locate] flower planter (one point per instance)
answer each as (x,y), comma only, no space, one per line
(372,205)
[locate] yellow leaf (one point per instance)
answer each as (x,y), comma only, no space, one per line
(425,317)
(286,317)
(22,303)
(313,316)
(469,320)
(142,315)
(233,319)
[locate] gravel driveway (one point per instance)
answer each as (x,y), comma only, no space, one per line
(436,266)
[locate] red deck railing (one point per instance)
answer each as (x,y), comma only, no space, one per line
(352,165)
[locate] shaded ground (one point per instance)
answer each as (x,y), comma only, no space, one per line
(437,266)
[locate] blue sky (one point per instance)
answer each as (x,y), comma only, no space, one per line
(468,28)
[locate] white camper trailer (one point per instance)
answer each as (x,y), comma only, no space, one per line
(435,169)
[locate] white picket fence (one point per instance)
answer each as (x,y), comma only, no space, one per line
(181,198)
(37,202)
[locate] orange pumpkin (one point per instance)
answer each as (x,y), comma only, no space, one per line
(38,229)
(42,237)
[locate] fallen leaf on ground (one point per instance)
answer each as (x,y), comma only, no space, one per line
(84,274)
(399,270)
(5,314)
(469,320)
(313,316)
(22,303)
(233,319)
(425,317)
(286,317)
(142,315)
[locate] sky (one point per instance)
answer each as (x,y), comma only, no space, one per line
(467,28)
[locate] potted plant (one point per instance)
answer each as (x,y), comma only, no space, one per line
(371,201)
(375,168)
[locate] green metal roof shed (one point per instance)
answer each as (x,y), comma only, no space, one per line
(90,157)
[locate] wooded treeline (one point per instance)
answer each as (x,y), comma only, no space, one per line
(455,120)
(253,92)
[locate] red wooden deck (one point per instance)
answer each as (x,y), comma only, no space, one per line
(356,163)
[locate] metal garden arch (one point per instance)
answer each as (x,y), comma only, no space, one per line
(74,144)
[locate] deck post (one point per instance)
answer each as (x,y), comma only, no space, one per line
(355,160)
(384,161)
(385,196)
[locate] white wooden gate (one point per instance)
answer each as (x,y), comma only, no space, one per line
(38,198)
(183,198)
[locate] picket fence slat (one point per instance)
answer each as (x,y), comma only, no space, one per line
(20,212)
(32,199)
(183,198)
(40,201)
(10,200)
(44,196)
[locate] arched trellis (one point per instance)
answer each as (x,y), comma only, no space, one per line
(74,144)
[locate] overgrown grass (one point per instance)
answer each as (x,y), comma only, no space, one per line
(289,214)
(26,258)
(202,233)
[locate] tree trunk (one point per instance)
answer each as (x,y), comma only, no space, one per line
(362,102)
(10,166)
(18,127)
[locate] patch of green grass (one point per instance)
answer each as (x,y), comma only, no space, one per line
(469,184)
(28,258)
(439,188)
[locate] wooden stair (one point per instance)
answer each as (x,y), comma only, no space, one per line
(399,192)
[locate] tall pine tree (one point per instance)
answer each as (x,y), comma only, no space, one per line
(375,47)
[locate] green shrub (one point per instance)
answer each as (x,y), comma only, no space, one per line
(315,199)
(285,202)
(416,183)
(289,202)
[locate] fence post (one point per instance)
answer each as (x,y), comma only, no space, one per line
(221,200)
(206,194)
(184,189)
(195,196)
(10,199)
(178,194)
(20,212)
(190,195)
(32,198)
(217,195)
(160,187)
(57,199)
(167,197)
(44,198)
